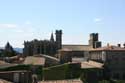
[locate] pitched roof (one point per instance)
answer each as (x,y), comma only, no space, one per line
(7,65)
(91,64)
(15,71)
(34,60)
(47,57)
(3,62)
(4,81)
(76,47)
(109,48)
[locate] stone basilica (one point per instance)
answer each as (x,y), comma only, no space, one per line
(52,47)
(48,47)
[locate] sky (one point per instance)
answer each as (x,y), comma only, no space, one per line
(36,19)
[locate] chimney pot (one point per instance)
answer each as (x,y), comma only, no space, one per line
(124,45)
(119,45)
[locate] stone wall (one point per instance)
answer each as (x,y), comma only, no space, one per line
(16,76)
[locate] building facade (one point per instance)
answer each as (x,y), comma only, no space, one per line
(48,47)
(94,40)
(22,76)
(69,52)
(113,58)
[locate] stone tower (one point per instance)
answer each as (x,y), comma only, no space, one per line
(94,40)
(59,39)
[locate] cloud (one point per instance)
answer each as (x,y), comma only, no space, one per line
(8,25)
(97,20)
(18,31)
(28,22)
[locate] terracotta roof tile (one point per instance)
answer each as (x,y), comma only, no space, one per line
(4,81)
(91,64)
(109,48)
(76,47)
(34,60)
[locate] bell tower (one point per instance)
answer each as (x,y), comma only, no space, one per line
(59,39)
(94,40)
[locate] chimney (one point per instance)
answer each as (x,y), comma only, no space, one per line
(108,45)
(119,45)
(124,45)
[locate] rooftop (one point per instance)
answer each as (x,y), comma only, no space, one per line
(109,48)
(34,60)
(76,47)
(4,81)
(3,62)
(7,65)
(91,64)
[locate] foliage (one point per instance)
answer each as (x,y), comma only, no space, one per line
(104,81)
(119,81)
(9,51)
(9,54)
(83,78)
(91,75)
(39,72)
(112,81)
(61,72)
(16,67)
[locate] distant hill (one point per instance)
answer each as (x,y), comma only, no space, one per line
(20,50)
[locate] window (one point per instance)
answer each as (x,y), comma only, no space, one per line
(16,77)
(103,55)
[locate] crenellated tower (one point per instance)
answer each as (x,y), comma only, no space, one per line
(59,39)
(94,40)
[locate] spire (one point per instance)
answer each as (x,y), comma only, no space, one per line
(8,47)
(52,38)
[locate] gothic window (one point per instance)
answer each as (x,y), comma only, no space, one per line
(103,55)
(16,77)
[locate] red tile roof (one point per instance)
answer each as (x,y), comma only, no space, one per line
(34,60)
(76,47)
(109,48)
(4,81)
(91,64)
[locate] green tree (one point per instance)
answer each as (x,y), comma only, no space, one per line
(104,81)
(8,51)
(83,77)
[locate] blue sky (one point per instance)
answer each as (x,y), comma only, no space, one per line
(35,19)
